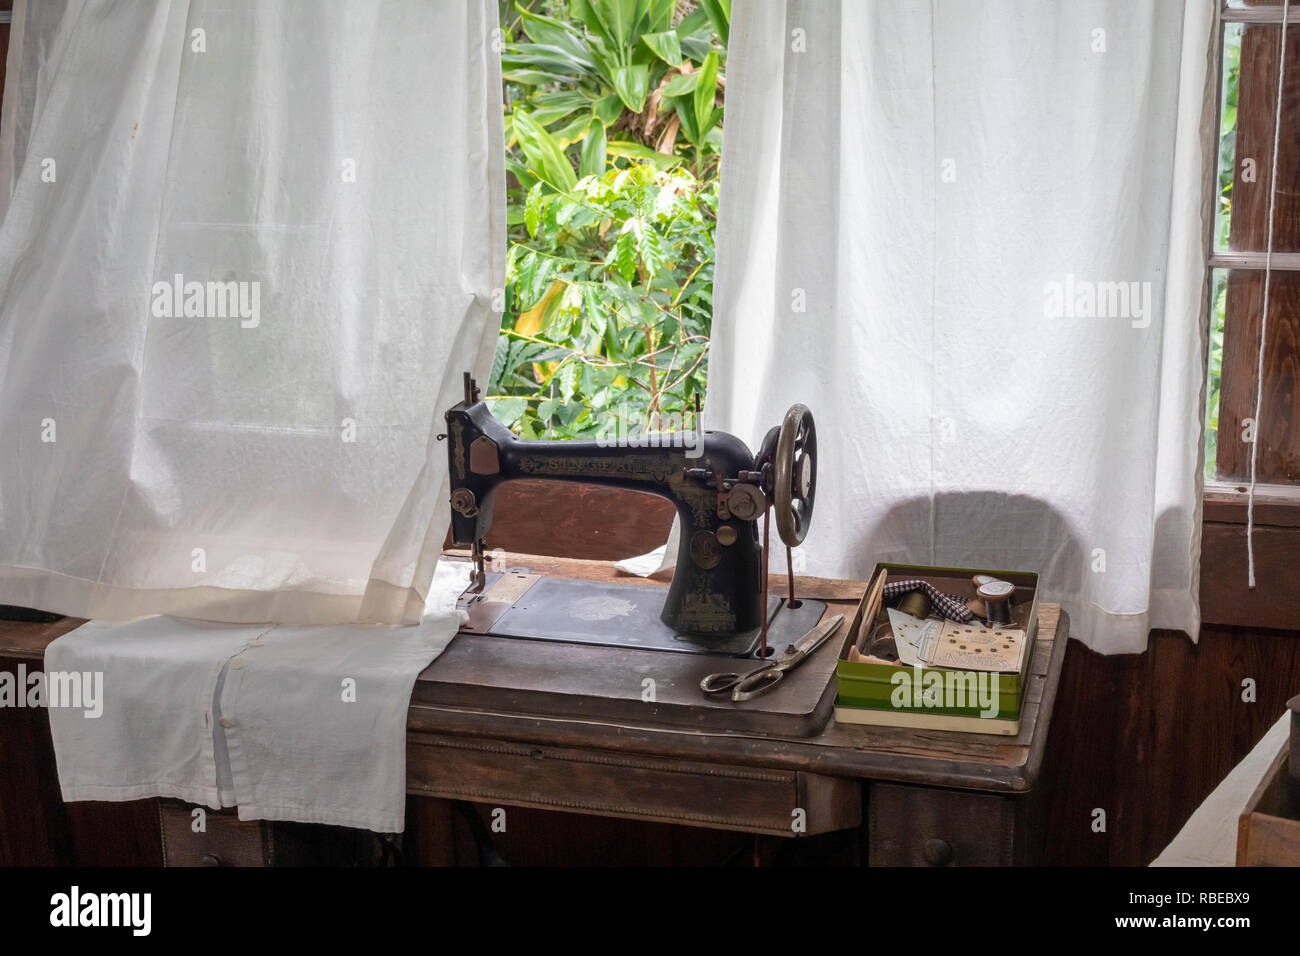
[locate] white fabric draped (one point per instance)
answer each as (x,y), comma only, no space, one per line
(918,201)
(248,250)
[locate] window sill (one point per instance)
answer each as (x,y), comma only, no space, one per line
(1275,505)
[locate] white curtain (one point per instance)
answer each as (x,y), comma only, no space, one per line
(970,236)
(323,185)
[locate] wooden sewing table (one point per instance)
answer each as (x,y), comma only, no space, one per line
(926,797)
(919,797)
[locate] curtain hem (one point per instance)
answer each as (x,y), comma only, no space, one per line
(78,597)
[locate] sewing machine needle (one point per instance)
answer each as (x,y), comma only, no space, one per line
(480,575)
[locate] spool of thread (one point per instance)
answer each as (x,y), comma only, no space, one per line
(916,604)
(996,596)
(882,646)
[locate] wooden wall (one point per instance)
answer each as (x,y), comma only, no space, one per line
(1146,737)
(38,829)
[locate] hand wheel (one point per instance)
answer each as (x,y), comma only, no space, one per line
(795,478)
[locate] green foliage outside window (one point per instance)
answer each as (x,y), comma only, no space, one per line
(1223,220)
(613,131)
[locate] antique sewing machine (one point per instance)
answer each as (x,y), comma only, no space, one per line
(718,602)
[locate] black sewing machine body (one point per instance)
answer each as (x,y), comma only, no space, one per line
(716,588)
(717,601)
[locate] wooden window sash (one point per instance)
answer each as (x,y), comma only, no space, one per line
(1278,434)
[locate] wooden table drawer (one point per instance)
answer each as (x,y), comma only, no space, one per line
(666,790)
(224,839)
(926,826)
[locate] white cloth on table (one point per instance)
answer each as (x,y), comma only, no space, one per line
(286,723)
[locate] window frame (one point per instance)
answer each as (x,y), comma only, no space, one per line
(1229,491)
(1225,599)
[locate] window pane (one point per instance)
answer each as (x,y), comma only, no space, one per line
(612,195)
(1277,432)
(1247,127)
(1219,293)
(1227,132)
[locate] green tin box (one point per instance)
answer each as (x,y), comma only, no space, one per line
(894,694)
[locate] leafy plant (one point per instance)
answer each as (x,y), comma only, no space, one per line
(613,127)
(1218,303)
(613,295)
(1228,130)
(619,78)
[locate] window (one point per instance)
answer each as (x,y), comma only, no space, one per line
(613,135)
(1247,110)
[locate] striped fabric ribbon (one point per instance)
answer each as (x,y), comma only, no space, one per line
(949,605)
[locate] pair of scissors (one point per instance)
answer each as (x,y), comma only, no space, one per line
(766,676)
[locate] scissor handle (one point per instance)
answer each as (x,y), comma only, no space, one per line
(757,682)
(717,683)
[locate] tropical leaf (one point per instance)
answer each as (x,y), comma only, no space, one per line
(608,109)
(631,81)
(592,162)
(667,46)
(705,91)
(625,248)
(719,14)
(533,210)
(508,411)
(682,84)
(639,152)
(545,156)
(554,34)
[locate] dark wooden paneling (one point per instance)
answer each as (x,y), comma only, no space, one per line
(437,835)
(1226,598)
(38,828)
(34,826)
(1147,737)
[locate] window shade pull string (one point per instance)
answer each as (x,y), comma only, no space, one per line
(1263,323)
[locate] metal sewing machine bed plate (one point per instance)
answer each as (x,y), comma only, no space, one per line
(525,606)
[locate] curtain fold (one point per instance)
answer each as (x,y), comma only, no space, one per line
(248,251)
(970,236)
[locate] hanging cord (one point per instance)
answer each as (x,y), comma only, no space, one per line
(1263,322)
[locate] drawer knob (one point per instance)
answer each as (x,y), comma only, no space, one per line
(938,852)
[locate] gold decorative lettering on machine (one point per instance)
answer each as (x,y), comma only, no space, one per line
(586,468)
(721,490)
(458,448)
(711,610)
